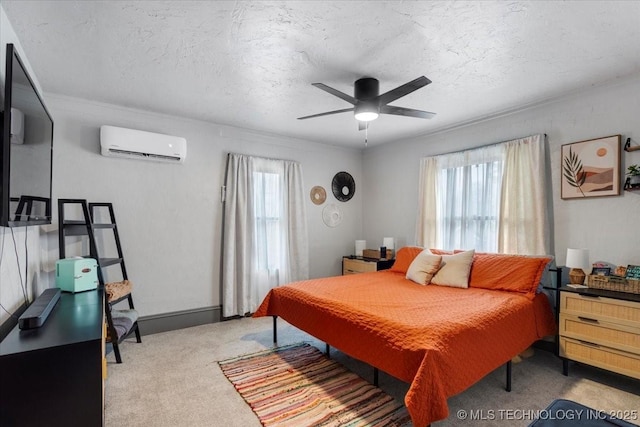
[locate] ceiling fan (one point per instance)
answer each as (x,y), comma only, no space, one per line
(368,104)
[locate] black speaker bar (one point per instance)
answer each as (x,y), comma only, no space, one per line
(36,314)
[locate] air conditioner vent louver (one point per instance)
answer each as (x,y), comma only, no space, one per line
(137,144)
(127,153)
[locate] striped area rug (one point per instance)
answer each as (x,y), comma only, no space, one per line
(299,386)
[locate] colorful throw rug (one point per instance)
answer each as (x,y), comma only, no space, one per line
(299,386)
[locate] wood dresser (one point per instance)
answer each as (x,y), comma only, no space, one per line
(54,375)
(355,265)
(600,328)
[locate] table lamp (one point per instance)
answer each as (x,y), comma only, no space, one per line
(577,260)
(388,242)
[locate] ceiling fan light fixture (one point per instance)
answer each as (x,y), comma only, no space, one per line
(366,116)
(366,112)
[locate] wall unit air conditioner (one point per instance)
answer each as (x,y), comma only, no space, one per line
(138,144)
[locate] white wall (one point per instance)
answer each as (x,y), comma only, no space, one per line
(169,216)
(607,226)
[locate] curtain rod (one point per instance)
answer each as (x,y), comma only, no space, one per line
(229,154)
(486,145)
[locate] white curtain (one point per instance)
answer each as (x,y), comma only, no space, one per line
(265,230)
(490,199)
(524,219)
(426,228)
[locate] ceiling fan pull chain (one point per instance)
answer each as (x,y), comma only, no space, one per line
(366,133)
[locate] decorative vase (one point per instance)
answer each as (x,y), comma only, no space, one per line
(576,276)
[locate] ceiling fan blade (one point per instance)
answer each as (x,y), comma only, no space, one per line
(326,114)
(409,112)
(350,99)
(403,90)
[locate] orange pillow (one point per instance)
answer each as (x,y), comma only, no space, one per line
(505,272)
(404,258)
(406,255)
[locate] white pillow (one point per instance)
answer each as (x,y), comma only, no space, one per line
(423,267)
(454,270)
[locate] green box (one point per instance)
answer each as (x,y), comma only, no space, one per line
(77,274)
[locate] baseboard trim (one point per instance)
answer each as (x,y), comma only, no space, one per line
(165,322)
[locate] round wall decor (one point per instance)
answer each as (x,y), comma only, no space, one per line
(331,215)
(343,186)
(318,195)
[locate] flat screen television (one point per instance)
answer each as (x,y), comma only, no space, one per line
(26,149)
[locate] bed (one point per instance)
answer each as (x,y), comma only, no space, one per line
(440,339)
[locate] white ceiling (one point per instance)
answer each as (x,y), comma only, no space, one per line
(251,64)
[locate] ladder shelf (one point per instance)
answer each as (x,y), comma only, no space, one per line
(120,323)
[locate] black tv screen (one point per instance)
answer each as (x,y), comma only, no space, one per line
(25,149)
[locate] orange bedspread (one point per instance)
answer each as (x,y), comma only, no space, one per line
(441,340)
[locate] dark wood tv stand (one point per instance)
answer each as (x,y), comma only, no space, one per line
(53,375)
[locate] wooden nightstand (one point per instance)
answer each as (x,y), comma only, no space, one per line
(354,265)
(600,328)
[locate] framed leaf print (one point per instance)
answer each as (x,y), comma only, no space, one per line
(591,168)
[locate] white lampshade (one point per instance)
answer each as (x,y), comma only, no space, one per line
(388,243)
(578,258)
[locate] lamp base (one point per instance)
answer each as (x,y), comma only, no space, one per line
(576,276)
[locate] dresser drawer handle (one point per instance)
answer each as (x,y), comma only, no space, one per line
(589,343)
(589,296)
(588,319)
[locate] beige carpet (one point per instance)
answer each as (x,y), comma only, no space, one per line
(172,379)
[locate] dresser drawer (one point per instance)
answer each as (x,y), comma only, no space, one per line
(626,338)
(354,266)
(601,308)
(600,356)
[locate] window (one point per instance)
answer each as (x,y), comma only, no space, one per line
(267,209)
(265,230)
(491,199)
(468,206)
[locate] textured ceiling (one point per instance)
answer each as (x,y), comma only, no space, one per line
(251,64)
